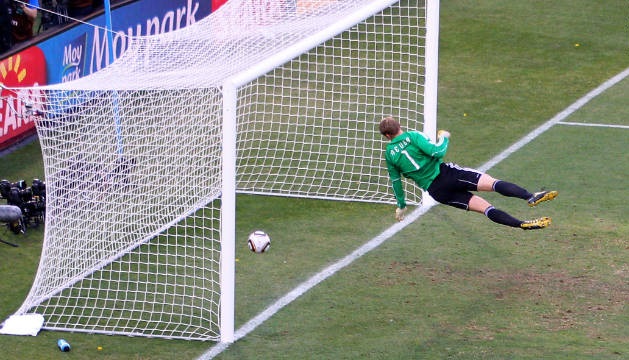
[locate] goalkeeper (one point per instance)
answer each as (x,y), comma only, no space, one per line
(412,155)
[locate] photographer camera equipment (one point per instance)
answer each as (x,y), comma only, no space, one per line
(12,215)
(31,201)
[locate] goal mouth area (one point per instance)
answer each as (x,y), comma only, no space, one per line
(143,159)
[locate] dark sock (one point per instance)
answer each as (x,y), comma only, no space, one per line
(501,217)
(512,190)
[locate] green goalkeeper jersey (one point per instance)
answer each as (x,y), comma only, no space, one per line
(413,156)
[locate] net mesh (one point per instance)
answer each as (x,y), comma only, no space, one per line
(133,153)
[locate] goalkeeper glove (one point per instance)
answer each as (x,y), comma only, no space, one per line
(443,133)
(399,214)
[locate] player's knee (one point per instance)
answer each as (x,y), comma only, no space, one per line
(486,183)
(478,204)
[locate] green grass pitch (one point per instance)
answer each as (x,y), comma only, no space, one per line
(452,285)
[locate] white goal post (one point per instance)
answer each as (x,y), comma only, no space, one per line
(143,159)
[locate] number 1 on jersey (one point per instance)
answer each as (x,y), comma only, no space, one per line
(408,156)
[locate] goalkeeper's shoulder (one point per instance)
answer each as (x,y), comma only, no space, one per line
(417,136)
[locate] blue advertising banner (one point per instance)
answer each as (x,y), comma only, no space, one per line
(84,49)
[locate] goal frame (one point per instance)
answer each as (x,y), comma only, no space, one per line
(230,106)
(224,103)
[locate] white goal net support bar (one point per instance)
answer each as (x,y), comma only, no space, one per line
(143,159)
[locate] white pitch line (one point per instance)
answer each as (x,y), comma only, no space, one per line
(594,125)
(394,229)
(318,278)
(556,119)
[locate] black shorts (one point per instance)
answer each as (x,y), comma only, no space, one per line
(453,185)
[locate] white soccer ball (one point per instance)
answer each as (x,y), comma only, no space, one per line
(259,241)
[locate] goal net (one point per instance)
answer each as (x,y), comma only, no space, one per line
(143,159)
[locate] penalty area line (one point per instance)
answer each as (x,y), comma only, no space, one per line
(594,125)
(427,204)
(555,120)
